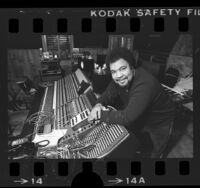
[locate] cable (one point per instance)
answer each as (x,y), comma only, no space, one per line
(38,143)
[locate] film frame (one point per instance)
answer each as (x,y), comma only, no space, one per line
(61,173)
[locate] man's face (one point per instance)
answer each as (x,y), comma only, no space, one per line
(121,72)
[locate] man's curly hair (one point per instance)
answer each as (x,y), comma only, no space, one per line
(120,53)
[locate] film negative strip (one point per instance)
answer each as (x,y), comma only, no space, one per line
(100,96)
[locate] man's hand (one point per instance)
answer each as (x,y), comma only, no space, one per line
(95,113)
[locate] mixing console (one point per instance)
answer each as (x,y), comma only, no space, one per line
(62,124)
(99,142)
(62,110)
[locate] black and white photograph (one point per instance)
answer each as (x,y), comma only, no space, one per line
(118,96)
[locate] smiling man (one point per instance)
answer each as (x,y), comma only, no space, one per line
(146,105)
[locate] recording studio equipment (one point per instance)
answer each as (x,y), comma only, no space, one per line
(18,141)
(80,120)
(99,142)
(82,78)
(61,92)
(58,101)
(80,126)
(50,70)
(24,148)
(21,148)
(35,106)
(83,86)
(68,87)
(73,128)
(103,139)
(61,128)
(87,141)
(47,153)
(62,109)
(48,128)
(171,77)
(178,96)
